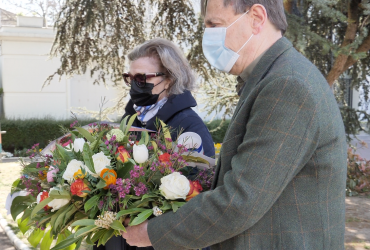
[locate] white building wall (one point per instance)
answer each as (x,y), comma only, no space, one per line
(24,67)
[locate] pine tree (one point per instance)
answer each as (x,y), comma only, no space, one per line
(96,35)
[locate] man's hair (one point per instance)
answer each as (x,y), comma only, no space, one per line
(274,8)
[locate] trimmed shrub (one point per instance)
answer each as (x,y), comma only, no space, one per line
(22,134)
(219,133)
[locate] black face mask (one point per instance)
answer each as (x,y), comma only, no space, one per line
(143,96)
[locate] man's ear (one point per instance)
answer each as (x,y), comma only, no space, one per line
(258,15)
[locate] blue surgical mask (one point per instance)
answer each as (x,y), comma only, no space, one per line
(214,48)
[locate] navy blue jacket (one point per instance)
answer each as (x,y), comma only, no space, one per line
(177,114)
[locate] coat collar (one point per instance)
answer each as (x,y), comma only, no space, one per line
(265,63)
(174,104)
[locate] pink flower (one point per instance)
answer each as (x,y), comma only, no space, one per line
(51,174)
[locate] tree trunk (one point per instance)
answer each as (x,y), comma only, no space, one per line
(288,6)
(349,37)
(364,47)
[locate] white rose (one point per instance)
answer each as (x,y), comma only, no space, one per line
(57,203)
(100,162)
(72,167)
(174,186)
(78,145)
(140,153)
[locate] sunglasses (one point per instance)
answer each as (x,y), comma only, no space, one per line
(140,78)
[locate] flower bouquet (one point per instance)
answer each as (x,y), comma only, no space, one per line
(86,188)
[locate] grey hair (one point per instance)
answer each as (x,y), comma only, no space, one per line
(274,8)
(171,60)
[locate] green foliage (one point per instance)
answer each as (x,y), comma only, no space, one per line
(358,174)
(23,133)
(218,129)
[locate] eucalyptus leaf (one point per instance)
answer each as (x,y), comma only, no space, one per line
(87,155)
(130,122)
(35,237)
(86,134)
(143,216)
(85,222)
(40,206)
(46,241)
(117,225)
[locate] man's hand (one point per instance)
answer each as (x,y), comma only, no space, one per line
(137,235)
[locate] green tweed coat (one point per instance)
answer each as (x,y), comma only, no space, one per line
(280,180)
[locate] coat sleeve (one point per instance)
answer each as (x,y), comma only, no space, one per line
(281,136)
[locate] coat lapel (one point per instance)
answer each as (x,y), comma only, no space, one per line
(261,69)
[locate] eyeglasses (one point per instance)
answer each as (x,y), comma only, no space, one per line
(140,78)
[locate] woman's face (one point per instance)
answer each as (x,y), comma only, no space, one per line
(151,65)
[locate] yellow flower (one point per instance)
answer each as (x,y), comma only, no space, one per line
(78,175)
(218,147)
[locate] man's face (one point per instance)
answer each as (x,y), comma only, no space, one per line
(217,15)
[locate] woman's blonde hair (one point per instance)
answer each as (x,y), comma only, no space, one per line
(171,60)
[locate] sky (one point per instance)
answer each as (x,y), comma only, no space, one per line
(6,6)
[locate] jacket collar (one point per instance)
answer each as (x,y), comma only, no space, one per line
(174,104)
(265,63)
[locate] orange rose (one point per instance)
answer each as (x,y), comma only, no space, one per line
(78,186)
(164,157)
(123,154)
(195,189)
(110,177)
(42,196)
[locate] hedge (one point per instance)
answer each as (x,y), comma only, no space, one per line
(22,134)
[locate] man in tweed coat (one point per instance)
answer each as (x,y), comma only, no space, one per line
(280,178)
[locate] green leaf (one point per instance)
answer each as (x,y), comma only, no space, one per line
(98,235)
(84,222)
(55,217)
(130,122)
(130,211)
(93,212)
(22,225)
(87,155)
(124,172)
(189,158)
(63,153)
(91,202)
(40,206)
(145,196)
(101,184)
(35,237)
(123,124)
(106,236)
(60,194)
(65,241)
(27,213)
(155,146)
(46,241)
(167,134)
(174,207)
(19,204)
(144,138)
(86,134)
(117,225)
(70,213)
(143,216)
(15,186)
(59,221)
(85,230)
